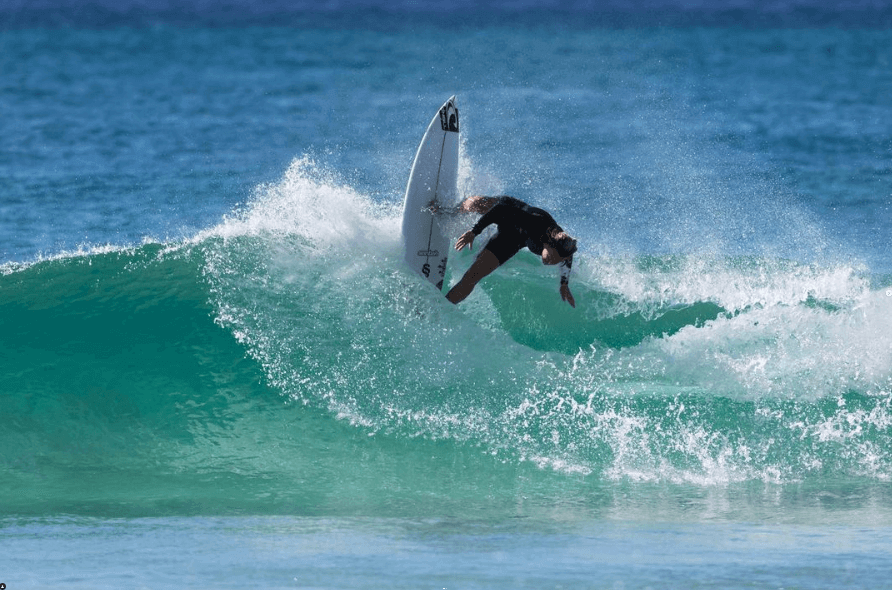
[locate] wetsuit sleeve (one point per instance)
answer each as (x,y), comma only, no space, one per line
(498,214)
(566,266)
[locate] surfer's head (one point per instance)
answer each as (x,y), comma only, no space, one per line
(558,248)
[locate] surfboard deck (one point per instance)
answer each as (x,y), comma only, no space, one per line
(434,178)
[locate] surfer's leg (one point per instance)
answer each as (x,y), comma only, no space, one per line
(486,263)
(497,251)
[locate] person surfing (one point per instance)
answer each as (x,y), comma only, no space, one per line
(519,225)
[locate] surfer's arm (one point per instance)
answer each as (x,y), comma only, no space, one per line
(493,212)
(476,204)
(565,267)
(435,208)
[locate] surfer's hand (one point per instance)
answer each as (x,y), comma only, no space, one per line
(437,209)
(567,296)
(466,239)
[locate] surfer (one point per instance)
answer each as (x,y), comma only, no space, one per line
(519,225)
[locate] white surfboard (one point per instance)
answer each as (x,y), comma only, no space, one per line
(434,177)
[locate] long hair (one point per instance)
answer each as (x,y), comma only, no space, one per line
(564,243)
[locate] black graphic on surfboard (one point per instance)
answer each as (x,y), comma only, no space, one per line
(449,117)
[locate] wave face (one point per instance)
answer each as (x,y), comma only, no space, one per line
(285,361)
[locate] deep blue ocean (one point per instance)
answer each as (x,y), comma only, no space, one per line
(215,370)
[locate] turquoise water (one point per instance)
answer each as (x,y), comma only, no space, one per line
(217,372)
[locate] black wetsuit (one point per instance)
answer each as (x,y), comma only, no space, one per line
(520,225)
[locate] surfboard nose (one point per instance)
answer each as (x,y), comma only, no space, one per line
(449,116)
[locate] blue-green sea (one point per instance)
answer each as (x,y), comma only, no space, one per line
(216,371)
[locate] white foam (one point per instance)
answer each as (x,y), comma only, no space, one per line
(790,351)
(312,204)
(734,284)
(81,251)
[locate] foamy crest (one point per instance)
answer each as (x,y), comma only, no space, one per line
(735,284)
(314,205)
(82,251)
(789,351)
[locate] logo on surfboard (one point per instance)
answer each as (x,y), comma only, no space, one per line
(449,117)
(429,253)
(441,268)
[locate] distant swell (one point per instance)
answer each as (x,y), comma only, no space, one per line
(381,13)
